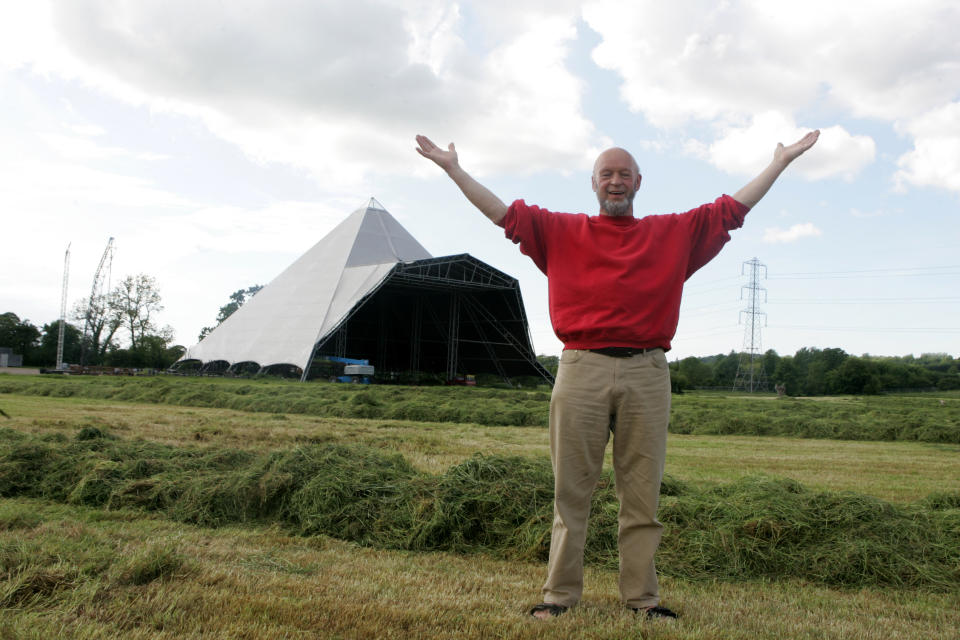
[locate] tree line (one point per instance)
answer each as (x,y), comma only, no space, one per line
(813,372)
(117,329)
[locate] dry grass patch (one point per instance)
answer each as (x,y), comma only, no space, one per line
(428,446)
(261,583)
(894,471)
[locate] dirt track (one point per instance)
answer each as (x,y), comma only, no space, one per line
(23,371)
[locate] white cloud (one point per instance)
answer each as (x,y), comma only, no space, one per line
(276,227)
(339,88)
(776,235)
(706,60)
(747,150)
(935,157)
(725,64)
(696,61)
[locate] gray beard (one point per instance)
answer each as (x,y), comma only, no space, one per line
(621,208)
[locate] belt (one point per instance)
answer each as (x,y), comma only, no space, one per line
(624,352)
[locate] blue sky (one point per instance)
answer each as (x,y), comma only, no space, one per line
(216,146)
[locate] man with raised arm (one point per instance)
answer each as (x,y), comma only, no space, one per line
(614,285)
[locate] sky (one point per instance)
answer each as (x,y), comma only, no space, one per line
(218,141)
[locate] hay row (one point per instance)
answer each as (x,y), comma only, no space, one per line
(756,528)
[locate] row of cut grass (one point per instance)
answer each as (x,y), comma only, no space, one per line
(755,528)
(493,407)
(924,418)
(934,418)
(900,472)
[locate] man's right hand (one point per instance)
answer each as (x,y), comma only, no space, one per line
(446,160)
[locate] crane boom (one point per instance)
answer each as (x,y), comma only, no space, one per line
(63,307)
(95,293)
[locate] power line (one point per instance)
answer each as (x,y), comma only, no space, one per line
(942,299)
(707,285)
(721,331)
(854,277)
(872,329)
(720,306)
(902,272)
(814,273)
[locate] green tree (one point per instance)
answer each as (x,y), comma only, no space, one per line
(856,376)
(815,383)
(550,363)
(237,300)
(19,335)
(678,381)
(770,361)
(101,321)
(786,374)
(136,300)
(696,371)
(949,381)
(725,369)
(50,336)
(833,358)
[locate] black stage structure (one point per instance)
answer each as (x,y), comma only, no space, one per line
(450,315)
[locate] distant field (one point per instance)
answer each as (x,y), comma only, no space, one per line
(924,418)
(271,523)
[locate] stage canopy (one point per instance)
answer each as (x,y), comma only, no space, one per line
(369,290)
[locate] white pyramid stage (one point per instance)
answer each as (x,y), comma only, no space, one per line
(369,290)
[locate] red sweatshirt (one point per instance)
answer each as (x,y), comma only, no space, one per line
(616,281)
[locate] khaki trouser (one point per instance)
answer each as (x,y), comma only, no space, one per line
(593,394)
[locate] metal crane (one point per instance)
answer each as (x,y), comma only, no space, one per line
(63,307)
(95,294)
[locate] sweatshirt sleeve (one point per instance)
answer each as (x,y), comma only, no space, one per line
(709,229)
(526,225)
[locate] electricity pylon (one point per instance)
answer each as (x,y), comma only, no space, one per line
(749,378)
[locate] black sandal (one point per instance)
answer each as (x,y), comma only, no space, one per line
(553,609)
(656,612)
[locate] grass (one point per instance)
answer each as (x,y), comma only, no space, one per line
(886,418)
(496,407)
(925,418)
(801,550)
(900,472)
(756,527)
(260,582)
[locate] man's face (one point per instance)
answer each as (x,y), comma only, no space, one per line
(615,180)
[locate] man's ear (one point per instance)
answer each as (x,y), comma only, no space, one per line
(639,179)
(593,182)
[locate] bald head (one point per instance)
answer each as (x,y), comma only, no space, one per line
(616,155)
(616,178)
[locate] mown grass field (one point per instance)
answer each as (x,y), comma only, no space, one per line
(150,520)
(895,471)
(924,418)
